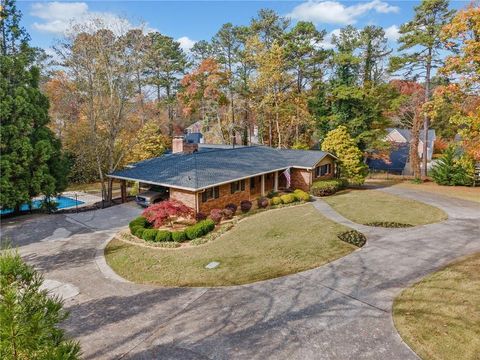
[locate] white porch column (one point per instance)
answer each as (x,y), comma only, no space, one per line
(275,182)
(262,187)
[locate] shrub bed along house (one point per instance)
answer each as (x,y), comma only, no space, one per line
(142,228)
(327,187)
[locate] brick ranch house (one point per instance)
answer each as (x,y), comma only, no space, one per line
(205,176)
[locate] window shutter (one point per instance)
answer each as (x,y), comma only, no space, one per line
(204,196)
(216,192)
(232,188)
(242,184)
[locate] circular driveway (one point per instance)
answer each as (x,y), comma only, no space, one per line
(339,311)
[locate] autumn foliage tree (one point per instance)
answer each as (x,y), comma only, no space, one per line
(167,212)
(340,143)
(409,113)
(464,67)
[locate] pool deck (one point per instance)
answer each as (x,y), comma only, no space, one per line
(86,198)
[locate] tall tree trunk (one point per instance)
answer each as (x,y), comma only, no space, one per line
(413,150)
(426,120)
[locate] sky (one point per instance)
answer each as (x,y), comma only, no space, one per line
(191,21)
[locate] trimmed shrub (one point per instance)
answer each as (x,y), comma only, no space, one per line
(276,200)
(388,224)
(149,234)
(271,194)
(328,187)
(200,216)
(200,229)
(138,231)
(138,222)
(209,225)
(262,202)
(353,237)
(232,207)
(227,213)
(288,198)
(163,235)
(179,236)
(301,195)
(245,205)
(216,215)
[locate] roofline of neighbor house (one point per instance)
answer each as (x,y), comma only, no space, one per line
(223,182)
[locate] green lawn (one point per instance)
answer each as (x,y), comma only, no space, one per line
(368,206)
(262,246)
(439,317)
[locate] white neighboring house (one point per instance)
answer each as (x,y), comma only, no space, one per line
(403,136)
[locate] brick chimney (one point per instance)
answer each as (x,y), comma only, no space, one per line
(180,146)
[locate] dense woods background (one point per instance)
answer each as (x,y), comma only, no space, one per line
(117,96)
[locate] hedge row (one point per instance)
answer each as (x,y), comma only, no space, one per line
(297,195)
(142,229)
(328,187)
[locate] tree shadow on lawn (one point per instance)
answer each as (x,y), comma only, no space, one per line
(275,316)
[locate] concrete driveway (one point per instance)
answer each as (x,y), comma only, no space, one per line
(339,311)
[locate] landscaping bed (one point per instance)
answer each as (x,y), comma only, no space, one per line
(264,246)
(439,317)
(376,208)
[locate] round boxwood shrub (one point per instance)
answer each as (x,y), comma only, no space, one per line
(353,237)
(216,215)
(209,225)
(138,231)
(163,235)
(200,216)
(149,234)
(232,207)
(276,200)
(179,236)
(227,213)
(288,198)
(138,222)
(328,187)
(245,205)
(262,202)
(301,195)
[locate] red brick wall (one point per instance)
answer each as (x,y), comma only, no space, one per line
(301,179)
(186,197)
(225,198)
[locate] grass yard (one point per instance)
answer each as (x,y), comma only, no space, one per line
(439,317)
(369,206)
(262,246)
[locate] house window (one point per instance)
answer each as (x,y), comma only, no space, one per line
(210,193)
(237,186)
(252,183)
(323,170)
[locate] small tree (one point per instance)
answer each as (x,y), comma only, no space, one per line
(167,212)
(340,143)
(29,317)
(453,168)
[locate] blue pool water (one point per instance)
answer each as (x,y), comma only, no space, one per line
(62,201)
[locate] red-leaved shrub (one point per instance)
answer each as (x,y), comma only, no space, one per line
(232,207)
(200,216)
(167,212)
(262,202)
(216,215)
(245,205)
(227,213)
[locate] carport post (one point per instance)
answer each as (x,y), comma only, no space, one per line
(263,185)
(123,189)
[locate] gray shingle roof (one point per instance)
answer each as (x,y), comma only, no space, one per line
(406,133)
(208,168)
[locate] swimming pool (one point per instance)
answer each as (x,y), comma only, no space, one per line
(62,201)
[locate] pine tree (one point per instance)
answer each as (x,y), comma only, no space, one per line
(29,317)
(31,160)
(422,48)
